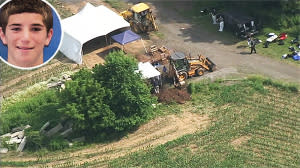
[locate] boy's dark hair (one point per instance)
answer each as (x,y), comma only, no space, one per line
(30,6)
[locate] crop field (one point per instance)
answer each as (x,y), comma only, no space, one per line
(246,123)
(256,124)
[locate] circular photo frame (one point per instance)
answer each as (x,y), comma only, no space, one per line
(48,52)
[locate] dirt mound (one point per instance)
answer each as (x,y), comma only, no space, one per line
(174,95)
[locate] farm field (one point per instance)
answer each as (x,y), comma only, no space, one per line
(244,123)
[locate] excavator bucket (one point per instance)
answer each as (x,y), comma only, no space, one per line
(210,64)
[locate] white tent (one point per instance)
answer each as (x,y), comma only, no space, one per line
(89,23)
(147,70)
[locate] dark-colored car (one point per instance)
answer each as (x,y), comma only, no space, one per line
(241,25)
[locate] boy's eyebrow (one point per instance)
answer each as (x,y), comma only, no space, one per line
(37,24)
(14,25)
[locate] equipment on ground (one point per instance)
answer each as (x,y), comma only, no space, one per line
(241,24)
(182,67)
(294,54)
(158,55)
(140,18)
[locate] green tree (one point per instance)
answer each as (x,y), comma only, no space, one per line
(83,103)
(130,97)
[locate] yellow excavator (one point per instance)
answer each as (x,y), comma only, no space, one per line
(140,18)
(183,67)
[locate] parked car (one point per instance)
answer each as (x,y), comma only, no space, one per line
(240,24)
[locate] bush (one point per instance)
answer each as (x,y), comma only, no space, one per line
(34,141)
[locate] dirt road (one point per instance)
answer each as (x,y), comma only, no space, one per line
(183,35)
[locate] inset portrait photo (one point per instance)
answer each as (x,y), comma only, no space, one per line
(30,33)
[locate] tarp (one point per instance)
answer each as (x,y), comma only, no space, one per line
(126,37)
(296,57)
(147,70)
(89,23)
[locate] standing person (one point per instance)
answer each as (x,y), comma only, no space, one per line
(252,45)
(249,40)
(214,16)
(221,20)
(26,27)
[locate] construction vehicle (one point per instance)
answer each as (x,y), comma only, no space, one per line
(140,18)
(183,67)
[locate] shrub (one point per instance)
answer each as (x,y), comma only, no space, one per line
(34,141)
(32,111)
(58,143)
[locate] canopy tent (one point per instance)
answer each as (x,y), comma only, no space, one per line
(89,23)
(127,36)
(147,70)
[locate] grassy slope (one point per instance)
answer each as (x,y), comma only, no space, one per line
(255,124)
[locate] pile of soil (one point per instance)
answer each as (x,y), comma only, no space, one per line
(169,95)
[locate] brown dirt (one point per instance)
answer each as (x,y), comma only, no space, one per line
(169,95)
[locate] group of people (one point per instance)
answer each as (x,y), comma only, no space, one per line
(220,20)
(216,20)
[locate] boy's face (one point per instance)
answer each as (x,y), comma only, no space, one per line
(25,37)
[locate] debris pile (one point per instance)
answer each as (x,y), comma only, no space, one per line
(16,136)
(60,84)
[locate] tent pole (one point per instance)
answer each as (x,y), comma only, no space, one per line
(106,40)
(144,45)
